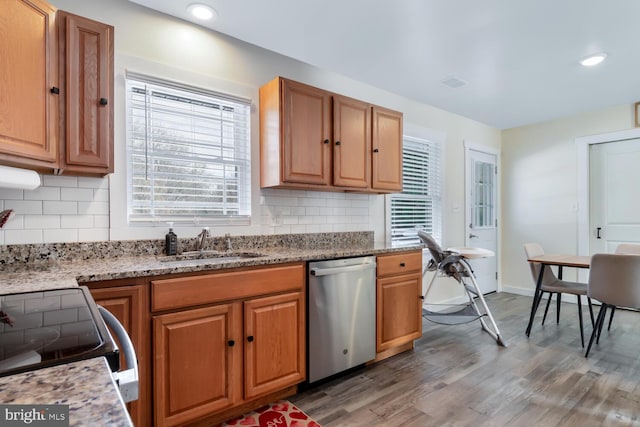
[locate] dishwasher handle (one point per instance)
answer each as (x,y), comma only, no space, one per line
(345,269)
(127,380)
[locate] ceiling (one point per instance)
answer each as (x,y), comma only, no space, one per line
(519,59)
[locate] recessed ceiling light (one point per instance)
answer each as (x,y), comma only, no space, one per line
(594,59)
(202,11)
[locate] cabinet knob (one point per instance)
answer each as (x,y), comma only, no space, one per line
(55,90)
(337,142)
(421,297)
(231,343)
(250,338)
(326,141)
(103,101)
(402,264)
(375,150)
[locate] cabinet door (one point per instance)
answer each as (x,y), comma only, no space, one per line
(127,303)
(275,343)
(87,54)
(386,158)
(399,310)
(28,72)
(352,143)
(197,367)
(306,129)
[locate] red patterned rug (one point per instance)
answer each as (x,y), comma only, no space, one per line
(280,414)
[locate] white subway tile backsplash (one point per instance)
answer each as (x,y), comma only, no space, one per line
(24,207)
(21,237)
(77,194)
(101,221)
(101,195)
(57,211)
(93,234)
(59,207)
(61,235)
(59,181)
(11,194)
(15,223)
(88,182)
(43,193)
(76,221)
(93,208)
(41,221)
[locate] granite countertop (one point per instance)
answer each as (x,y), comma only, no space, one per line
(21,277)
(86,386)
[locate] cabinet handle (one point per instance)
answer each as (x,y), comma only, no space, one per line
(55,90)
(375,150)
(231,343)
(103,101)
(250,338)
(337,142)
(421,297)
(326,141)
(402,264)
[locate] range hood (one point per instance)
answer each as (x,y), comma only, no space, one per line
(21,179)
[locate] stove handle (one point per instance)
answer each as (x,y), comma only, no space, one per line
(127,380)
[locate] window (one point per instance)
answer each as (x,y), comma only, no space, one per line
(419,205)
(188,154)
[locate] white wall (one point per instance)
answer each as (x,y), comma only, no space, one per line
(153,43)
(540,188)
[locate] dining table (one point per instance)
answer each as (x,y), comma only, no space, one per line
(560,261)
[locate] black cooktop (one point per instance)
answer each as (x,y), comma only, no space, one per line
(41,329)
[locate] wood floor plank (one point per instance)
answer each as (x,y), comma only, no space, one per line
(458,376)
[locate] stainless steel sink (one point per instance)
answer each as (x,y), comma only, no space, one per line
(210,256)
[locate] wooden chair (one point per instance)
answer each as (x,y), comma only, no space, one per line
(553,285)
(614,280)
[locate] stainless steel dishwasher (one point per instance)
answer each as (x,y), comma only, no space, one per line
(341,315)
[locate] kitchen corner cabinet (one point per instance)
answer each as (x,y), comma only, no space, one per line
(129,304)
(29,85)
(230,338)
(56,76)
(86,112)
(399,299)
(317,140)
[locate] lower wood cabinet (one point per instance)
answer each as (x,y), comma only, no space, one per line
(399,302)
(129,303)
(236,349)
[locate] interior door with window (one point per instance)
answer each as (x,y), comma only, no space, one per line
(613,195)
(481,215)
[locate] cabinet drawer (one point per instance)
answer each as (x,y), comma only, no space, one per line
(406,262)
(224,286)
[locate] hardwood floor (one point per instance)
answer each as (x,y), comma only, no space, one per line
(458,376)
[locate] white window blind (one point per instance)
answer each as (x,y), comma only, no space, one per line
(188,154)
(418,207)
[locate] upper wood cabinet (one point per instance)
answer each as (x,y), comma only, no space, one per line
(56,102)
(386,155)
(28,84)
(314,139)
(86,113)
(352,143)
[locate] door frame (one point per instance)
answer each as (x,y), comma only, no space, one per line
(468,146)
(582,148)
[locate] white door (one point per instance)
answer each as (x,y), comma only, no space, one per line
(481,215)
(614,199)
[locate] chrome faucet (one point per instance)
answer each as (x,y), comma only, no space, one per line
(202,238)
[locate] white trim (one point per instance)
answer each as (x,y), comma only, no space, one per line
(582,152)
